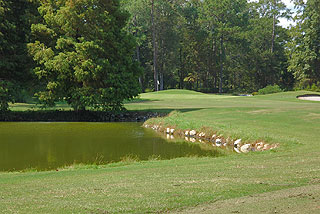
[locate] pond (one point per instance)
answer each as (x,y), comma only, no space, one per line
(47,146)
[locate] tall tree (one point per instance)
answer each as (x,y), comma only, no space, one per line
(139,27)
(155,48)
(267,44)
(224,19)
(157,25)
(305,44)
(83,54)
(15,21)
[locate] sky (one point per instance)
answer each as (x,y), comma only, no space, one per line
(283,21)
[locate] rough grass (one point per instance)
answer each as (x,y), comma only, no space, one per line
(288,178)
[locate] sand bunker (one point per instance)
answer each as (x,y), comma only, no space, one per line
(312,97)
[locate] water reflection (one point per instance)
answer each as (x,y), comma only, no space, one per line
(50,145)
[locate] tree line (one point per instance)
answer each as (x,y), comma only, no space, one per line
(98,53)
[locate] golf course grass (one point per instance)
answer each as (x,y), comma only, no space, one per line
(284,180)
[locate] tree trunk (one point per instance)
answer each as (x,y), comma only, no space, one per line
(181,70)
(161,81)
(138,59)
(163,67)
(138,53)
(221,65)
(273,25)
(155,72)
(211,65)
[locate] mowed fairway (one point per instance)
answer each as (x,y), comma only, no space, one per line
(286,180)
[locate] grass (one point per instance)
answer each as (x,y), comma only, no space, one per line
(286,180)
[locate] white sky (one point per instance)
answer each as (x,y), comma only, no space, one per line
(283,21)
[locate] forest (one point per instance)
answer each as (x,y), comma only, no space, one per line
(98,53)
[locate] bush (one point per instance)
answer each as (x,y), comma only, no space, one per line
(148,90)
(270,89)
(308,85)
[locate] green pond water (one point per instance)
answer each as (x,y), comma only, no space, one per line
(46,146)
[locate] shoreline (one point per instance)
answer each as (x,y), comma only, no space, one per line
(72,116)
(209,136)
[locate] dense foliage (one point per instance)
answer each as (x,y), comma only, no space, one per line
(304,46)
(15,64)
(93,54)
(212,46)
(270,89)
(83,54)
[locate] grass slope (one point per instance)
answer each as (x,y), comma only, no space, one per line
(286,180)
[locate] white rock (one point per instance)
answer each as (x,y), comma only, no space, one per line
(259,144)
(259,148)
(202,134)
(245,148)
(186,133)
(213,136)
(266,147)
(168,130)
(236,149)
(193,140)
(171,131)
(192,133)
(236,143)
(218,142)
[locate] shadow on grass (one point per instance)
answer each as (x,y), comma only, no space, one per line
(139,100)
(168,110)
(309,95)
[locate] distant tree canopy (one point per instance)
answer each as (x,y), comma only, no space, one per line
(211,46)
(83,54)
(94,54)
(304,45)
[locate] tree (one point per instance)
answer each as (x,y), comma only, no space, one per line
(15,63)
(211,45)
(196,58)
(224,20)
(268,61)
(84,55)
(304,54)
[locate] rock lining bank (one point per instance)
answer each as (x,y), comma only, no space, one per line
(215,140)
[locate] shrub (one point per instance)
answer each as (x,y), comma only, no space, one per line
(270,89)
(308,85)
